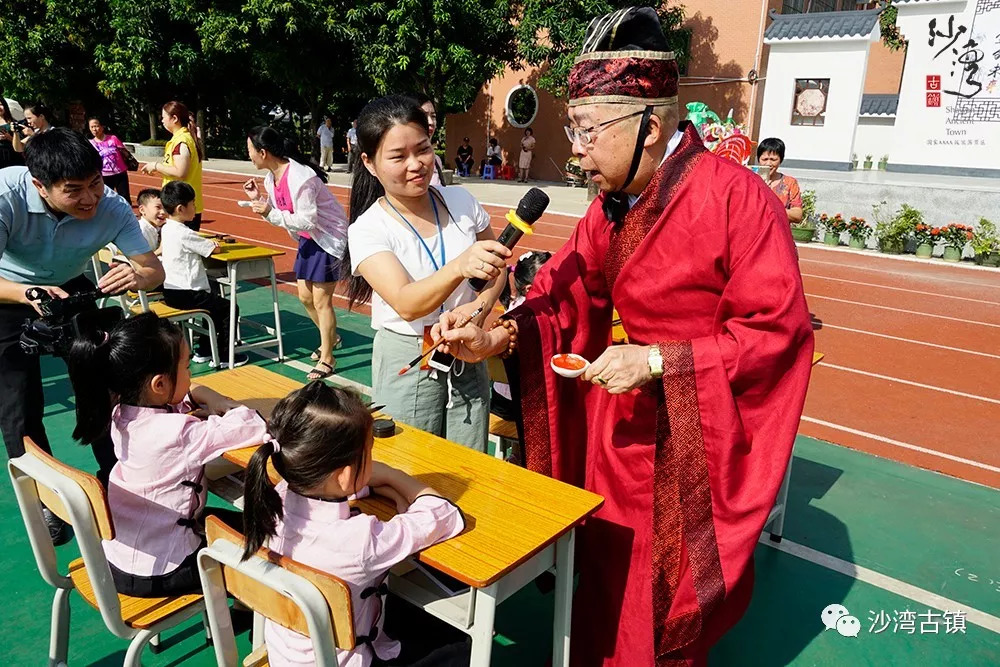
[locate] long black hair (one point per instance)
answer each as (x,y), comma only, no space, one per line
(115,367)
(319,429)
(524,272)
(268,139)
(377,118)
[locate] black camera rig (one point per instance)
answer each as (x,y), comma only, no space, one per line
(63,320)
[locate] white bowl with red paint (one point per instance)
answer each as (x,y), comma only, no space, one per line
(568,365)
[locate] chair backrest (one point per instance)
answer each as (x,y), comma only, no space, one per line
(77,498)
(295,596)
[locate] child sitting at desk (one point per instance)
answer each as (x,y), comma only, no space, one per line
(322,446)
(135,381)
(186,284)
(151,219)
(151,216)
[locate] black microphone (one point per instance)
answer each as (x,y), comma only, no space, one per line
(529,210)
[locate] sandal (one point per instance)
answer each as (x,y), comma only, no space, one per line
(337,345)
(318,373)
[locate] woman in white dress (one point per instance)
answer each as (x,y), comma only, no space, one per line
(527,152)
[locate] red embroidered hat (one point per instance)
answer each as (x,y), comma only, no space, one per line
(625,59)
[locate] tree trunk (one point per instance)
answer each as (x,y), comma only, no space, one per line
(199,119)
(152,126)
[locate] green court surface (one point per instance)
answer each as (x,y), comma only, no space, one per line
(878,537)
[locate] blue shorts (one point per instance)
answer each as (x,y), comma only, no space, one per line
(314,264)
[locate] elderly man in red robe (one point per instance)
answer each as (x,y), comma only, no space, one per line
(687,430)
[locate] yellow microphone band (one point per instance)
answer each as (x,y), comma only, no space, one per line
(521,225)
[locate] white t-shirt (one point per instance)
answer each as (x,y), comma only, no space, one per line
(182,251)
(150,233)
(352,136)
(325,135)
(378,230)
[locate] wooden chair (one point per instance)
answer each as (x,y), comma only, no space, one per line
(503,432)
(78,499)
(775,524)
(295,596)
(142,301)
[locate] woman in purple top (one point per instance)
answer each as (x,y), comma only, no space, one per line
(112,150)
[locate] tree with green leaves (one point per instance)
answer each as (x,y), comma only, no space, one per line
(48,49)
(445,49)
(550,33)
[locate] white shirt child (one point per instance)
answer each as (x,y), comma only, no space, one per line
(181,253)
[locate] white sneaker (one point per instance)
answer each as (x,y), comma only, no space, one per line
(238,360)
(200,358)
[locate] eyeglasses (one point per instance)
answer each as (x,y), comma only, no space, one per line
(586,135)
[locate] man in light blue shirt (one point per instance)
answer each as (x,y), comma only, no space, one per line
(54,215)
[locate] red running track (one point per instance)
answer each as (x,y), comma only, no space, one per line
(912,367)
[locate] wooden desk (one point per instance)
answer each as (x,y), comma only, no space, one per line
(519,523)
(243,261)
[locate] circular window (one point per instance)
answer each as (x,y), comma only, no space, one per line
(521,105)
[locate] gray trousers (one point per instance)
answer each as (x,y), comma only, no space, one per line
(421,400)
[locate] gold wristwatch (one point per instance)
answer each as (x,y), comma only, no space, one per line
(655,361)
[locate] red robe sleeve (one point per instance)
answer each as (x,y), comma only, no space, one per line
(568,309)
(749,383)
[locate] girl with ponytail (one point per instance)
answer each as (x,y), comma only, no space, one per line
(135,382)
(412,248)
(321,445)
(296,199)
(182,156)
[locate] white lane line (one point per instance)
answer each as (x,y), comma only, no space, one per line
(338,380)
(825,325)
(898,443)
(912,383)
(885,582)
(901,274)
(902,289)
(902,310)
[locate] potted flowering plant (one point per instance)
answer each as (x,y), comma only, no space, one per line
(859,231)
(955,237)
(883,163)
(868,161)
(893,232)
(833,228)
(804,231)
(925,237)
(986,244)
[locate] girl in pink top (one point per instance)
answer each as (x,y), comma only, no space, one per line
(112,150)
(322,447)
(135,381)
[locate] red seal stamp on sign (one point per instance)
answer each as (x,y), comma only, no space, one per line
(933,99)
(933,82)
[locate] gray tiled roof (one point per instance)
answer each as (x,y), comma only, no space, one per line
(879,105)
(821,24)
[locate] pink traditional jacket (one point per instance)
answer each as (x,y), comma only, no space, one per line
(359,549)
(156,491)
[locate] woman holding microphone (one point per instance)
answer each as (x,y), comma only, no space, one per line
(412,249)
(298,201)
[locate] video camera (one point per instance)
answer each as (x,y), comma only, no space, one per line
(14,126)
(63,320)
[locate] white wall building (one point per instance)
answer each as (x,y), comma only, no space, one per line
(946,118)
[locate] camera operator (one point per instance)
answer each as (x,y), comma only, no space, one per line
(37,121)
(54,215)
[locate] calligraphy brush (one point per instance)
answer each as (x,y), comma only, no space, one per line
(462,323)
